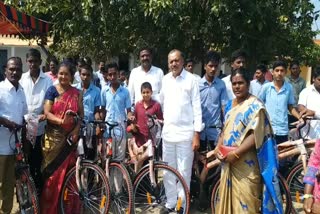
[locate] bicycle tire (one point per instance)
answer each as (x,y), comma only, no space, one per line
(296,187)
(148,198)
(283,188)
(26,193)
(121,199)
(71,201)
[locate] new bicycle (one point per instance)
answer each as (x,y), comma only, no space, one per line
(25,188)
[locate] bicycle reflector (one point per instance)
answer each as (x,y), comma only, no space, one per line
(179,203)
(65,194)
(103,201)
(149,198)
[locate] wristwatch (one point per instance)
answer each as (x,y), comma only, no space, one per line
(306,196)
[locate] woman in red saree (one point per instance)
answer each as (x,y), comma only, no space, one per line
(58,155)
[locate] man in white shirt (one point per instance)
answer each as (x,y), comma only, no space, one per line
(35,84)
(256,84)
(309,106)
(180,99)
(238,60)
(146,72)
(13,107)
(189,64)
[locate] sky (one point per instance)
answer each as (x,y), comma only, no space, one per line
(316,23)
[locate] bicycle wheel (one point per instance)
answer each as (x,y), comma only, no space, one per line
(152,198)
(296,187)
(120,188)
(94,196)
(26,193)
(286,199)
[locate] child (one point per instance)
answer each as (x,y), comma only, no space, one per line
(140,128)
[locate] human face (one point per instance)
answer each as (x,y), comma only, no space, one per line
(53,67)
(239,62)
(145,58)
(295,70)
(240,87)
(316,83)
(146,94)
(279,73)
(13,71)
(85,76)
(189,67)
(259,75)
(101,66)
(211,69)
(113,75)
(175,63)
(122,77)
(33,63)
(64,76)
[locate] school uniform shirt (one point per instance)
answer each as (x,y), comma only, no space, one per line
(13,106)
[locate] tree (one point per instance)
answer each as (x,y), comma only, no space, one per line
(100,28)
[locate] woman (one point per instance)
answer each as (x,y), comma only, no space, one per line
(312,186)
(59,155)
(248,184)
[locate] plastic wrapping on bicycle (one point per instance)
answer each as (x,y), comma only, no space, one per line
(109,123)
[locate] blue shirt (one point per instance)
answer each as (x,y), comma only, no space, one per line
(116,103)
(256,86)
(91,100)
(213,96)
(277,105)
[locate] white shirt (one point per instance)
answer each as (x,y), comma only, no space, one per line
(138,76)
(228,83)
(35,93)
(180,99)
(310,98)
(13,106)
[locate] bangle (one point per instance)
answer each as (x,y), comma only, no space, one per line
(61,121)
(235,154)
(305,196)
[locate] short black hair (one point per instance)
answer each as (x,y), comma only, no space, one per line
(238,53)
(146,49)
(86,67)
(294,62)
(243,72)
(146,85)
(112,65)
(53,59)
(316,72)
(212,56)
(16,59)
(188,60)
(33,52)
(262,67)
(279,63)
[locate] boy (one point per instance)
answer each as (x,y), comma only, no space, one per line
(140,126)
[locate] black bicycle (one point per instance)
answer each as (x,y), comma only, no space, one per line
(25,188)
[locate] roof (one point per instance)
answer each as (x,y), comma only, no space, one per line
(16,23)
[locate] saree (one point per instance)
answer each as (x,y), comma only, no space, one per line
(58,155)
(249,185)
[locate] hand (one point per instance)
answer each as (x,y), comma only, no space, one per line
(306,113)
(307,205)
(68,119)
(230,158)
(9,124)
(196,141)
(42,117)
(219,156)
(75,138)
(131,118)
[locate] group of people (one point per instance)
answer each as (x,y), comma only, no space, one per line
(190,106)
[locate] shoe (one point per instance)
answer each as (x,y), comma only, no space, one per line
(166,210)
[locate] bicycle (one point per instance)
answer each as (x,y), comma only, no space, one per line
(287,202)
(302,148)
(85,188)
(25,188)
(122,197)
(149,183)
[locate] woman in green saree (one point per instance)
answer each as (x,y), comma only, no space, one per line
(244,147)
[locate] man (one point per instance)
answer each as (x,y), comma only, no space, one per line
(309,106)
(256,84)
(213,95)
(238,60)
(146,72)
(53,69)
(98,73)
(123,77)
(115,105)
(189,64)
(13,106)
(91,94)
(180,98)
(296,81)
(278,98)
(35,84)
